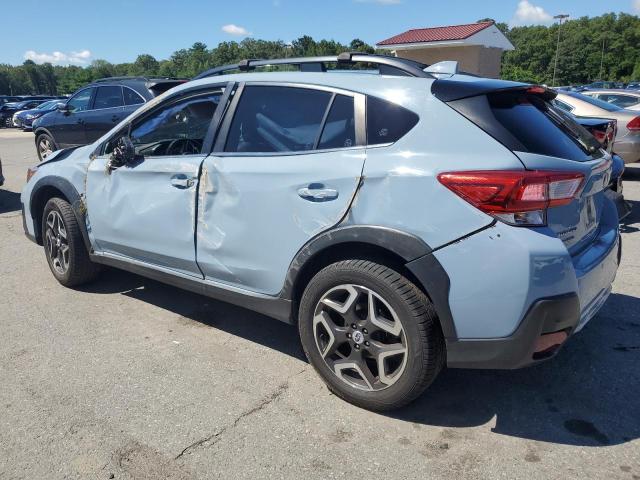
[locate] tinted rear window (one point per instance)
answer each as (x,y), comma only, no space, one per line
(541,128)
(387,122)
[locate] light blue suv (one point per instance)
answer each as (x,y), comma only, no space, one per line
(404,218)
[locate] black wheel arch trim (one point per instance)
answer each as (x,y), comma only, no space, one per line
(416,254)
(73,197)
(406,246)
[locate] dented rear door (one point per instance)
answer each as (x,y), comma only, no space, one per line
(256,209)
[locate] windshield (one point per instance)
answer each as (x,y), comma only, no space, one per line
(609,107)
(46,105)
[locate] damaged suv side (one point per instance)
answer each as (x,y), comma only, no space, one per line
(363,208)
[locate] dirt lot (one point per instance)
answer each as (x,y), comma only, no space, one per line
(128,378)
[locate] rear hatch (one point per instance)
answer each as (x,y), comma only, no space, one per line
(544,138)
(160,85)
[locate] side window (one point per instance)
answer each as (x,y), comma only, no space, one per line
(339,131)
(177,129)
(387,122)
(108,97)
(562,105)
(131,97)
(622,101)
(277,119)
(80,101)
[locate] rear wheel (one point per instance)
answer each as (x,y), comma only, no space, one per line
(45,146)
(371,334)
(64,246)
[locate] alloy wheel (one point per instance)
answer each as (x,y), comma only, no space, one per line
(45,148)
(57,242)
(360,338)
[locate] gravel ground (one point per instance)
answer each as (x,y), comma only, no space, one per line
(127,378)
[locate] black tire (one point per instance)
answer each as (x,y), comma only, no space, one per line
(79,268)
(425,350)
(41,138)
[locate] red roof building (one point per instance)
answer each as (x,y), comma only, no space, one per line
(477,47)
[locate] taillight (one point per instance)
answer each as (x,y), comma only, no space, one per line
(516,197)
(634,125)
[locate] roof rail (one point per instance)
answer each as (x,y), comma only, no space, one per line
(387,65)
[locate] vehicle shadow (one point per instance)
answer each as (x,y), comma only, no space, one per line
(586,396)
(222,316)
(9,201)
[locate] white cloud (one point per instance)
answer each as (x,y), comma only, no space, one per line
(81,57)
(529,14)
(635,6)
(381,2)
(232,29)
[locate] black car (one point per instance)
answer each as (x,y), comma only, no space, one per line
(94,110)
(8,109)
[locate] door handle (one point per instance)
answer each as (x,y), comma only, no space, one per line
(317,192)
(182,181)
(80,121)
(115,118)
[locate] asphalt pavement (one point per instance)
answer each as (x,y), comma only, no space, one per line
(127,378)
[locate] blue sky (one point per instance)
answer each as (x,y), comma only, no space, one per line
(77,31)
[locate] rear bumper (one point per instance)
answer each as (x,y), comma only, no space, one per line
(503,291)
(548,315)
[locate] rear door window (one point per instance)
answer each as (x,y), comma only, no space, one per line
(131,97)
(108,97)
(387,122)
(277,119)
(339,131)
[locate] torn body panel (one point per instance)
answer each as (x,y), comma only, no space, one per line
(401,190)
(255,212)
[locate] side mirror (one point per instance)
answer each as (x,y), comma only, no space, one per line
(123,153)
(63,107)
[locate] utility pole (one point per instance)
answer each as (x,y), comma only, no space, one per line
(604,39)
(555,66)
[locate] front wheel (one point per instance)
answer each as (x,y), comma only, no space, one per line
(64,246)
(371,334)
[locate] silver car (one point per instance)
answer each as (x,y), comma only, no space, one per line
(629,99)
(627,142)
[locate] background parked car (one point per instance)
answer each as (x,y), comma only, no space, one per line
(604,129)
(9,98)
(621,98)
(93,110)
(633,85)
(627,140)
(8,109)
(24,119)
(599,85)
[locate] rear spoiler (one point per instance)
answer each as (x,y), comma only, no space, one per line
(162,85)
(449,90)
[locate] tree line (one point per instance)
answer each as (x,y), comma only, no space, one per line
(604,47)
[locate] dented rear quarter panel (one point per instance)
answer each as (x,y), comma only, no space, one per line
(400,187)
